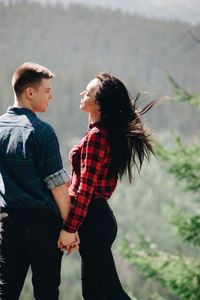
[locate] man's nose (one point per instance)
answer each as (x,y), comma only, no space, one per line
(51,96)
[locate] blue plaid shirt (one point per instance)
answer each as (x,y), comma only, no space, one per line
(30,161)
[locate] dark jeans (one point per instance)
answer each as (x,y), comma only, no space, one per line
(97,233)
(30,239)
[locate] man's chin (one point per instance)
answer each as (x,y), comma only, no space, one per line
(41,110)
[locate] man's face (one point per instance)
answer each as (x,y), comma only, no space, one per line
(41,96)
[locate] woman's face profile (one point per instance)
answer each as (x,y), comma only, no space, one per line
(88,102)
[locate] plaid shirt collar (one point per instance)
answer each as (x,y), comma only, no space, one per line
(96,124)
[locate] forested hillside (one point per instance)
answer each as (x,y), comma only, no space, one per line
(78,42)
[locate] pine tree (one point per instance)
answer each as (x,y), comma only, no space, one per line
(179,273)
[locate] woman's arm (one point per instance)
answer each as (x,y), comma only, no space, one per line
(93,151)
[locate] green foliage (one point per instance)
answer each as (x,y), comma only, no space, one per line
(177,273)
(184,163)
(183,95)
(180,92)
(188,226)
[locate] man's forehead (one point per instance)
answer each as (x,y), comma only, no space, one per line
(45,83)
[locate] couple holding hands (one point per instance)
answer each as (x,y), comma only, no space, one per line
(46,211)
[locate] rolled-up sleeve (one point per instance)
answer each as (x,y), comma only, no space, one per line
(56,179)
(50,161)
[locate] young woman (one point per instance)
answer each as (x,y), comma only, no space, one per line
(115,141)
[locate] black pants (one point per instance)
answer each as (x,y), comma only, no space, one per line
(97,233)
(30,239)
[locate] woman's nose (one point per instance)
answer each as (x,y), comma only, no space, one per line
(82,93)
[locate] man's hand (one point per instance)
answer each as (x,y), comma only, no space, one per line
(68,241)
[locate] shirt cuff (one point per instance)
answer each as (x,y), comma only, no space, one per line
(56,179)
(67,228)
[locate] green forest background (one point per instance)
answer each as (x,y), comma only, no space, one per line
(78,42)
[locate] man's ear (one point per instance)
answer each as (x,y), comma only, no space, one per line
(29,92)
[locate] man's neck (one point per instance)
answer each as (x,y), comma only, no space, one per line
(20,103)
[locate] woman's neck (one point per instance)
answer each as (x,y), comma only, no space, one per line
(94,118)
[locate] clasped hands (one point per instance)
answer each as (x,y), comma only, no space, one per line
(68,241)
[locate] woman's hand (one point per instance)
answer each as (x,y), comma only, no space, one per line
(68,241)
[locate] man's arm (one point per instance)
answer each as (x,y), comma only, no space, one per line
(66,239)
(51,168)
(62,199)
(56,179)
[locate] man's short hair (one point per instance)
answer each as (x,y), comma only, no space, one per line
(29,74)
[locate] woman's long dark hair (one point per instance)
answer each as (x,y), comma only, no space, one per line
(129,139)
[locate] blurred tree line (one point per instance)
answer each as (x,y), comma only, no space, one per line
(78,42)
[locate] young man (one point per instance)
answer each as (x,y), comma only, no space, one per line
(36,198)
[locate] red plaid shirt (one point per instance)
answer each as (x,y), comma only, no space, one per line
(90,160)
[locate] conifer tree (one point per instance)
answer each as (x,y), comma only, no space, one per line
(179,273)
